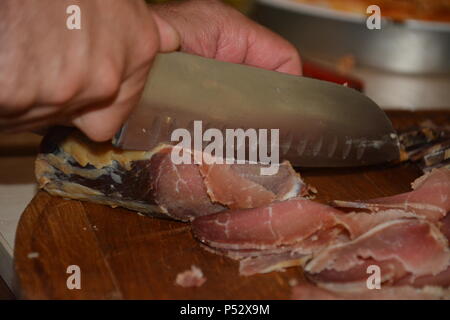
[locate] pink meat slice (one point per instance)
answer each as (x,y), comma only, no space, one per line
(430,197)
(442,278)
(418,246)
(358,223)
(190,190)
(179,188)
(355,277)
(289,233)
(271,262)
(445,226)
(311,292)
(278,224)
(241,186)
(294,223)
(283,233)
(254,261)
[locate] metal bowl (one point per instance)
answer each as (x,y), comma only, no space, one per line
(410,46)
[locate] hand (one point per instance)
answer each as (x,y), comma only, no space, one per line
(91,78)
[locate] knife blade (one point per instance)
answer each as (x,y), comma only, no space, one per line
(321,124)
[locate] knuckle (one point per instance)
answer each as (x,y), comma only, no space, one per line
(62,93)
(95,129)
(9,101)
(15,103)
(147,49)
(107,82)
(62,87)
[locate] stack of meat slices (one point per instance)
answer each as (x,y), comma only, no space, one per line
(266,222)
(405,236)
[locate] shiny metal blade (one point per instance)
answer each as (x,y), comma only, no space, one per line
(320,124)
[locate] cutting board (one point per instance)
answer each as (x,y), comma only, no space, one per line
(122,255)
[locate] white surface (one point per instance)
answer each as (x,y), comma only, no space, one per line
(395,91)
(408,92)
(17,188)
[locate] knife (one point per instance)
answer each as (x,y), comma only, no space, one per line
(321,124)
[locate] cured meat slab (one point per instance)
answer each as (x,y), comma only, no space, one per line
(71,166)
(125,255)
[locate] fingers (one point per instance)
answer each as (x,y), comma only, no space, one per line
(169,38)
(270,51)
(292,65)
(100,122)
(215,30)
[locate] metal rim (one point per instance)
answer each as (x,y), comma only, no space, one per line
(323,12)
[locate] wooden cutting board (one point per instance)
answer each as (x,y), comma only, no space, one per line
(123,255)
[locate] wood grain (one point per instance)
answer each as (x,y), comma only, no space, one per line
(123,255)
(5,293)
(19,144)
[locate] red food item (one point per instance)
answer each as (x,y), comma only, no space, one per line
(313,70)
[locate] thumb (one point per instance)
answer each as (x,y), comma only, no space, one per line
(170,39)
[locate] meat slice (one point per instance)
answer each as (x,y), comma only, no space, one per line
(266,263)
(311,292)
(399,247)
(271,238)
(291,224)
(243,186)
(190,278)
(283,234)
(441,279)
(430,197)
(288,223)
(358,223)
(71,166)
